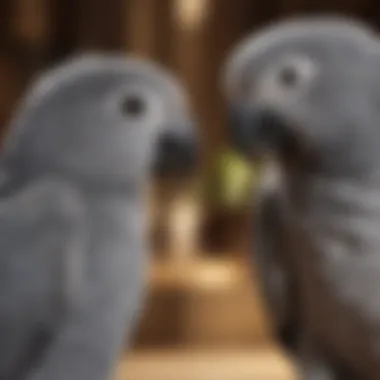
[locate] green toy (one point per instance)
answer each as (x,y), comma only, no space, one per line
(230,181)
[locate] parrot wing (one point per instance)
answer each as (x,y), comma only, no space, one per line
(41,251)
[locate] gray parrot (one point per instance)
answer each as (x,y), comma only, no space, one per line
(307,92)
(74,169)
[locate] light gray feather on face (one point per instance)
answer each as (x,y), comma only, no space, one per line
(79,118)
(317,76)
(242,59)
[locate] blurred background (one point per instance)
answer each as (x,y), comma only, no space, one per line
(204,318)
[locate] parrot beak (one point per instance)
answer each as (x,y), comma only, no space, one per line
(177,150)
(256,130)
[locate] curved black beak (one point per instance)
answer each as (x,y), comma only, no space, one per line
(177,151)
(256,130)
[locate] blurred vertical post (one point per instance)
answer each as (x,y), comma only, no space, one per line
(187,18)
(11,87)
(5,7)
(190,19)
(165,32)
(102,24)
(6,77)
(66,21)
(31,21)
(25,35)
(141,24)
(32,30)
(192,51)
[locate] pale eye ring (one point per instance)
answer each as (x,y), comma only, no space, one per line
(135,104)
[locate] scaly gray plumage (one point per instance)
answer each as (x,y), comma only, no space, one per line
(308,91)
(72,216)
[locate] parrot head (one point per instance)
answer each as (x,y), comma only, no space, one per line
(103,118)
(304,89)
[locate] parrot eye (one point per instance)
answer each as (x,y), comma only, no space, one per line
(295,72)
(133,106)
(288,76)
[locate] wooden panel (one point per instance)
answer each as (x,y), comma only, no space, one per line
(203,303)
(66,20)
(102,24)
(5,10)
(164,32)
(32,33)
(31,21)
(263,364)
(141,26)
(11,79)
(189,61)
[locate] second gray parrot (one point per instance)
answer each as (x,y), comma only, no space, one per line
(74,170)
(307,91)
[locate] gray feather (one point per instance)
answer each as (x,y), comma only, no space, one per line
(308,91)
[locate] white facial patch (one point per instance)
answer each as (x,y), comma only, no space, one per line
(153,111)
(285,81)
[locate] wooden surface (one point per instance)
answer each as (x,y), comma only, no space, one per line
(213,275)
(202,303)
(266,364)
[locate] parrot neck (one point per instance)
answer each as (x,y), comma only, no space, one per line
(12,179)
(118,190)
(17,170)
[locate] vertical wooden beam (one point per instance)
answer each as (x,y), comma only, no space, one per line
(190,52)
(5,8)
(31,21)
(66,22)
(11,79)
(25,42)
(165,31)
(102,24)
(141,28)
(8,74)
(31,31)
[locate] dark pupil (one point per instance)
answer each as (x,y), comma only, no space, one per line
(133,106)
(288,76)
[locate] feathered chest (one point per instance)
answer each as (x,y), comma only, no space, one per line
(336,240)
(117,243)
